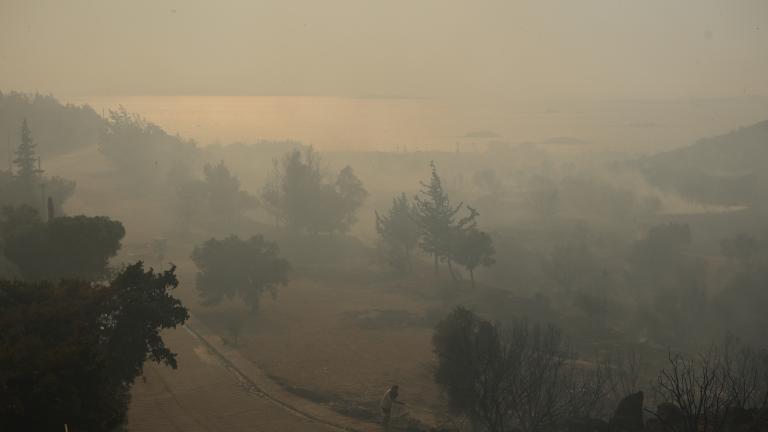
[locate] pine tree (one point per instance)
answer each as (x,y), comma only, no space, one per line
(437,219)
(28,169)
(399,232)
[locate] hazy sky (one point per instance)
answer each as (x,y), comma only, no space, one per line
(622,49)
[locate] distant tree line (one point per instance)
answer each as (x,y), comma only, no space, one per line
(143,153)
(63,128)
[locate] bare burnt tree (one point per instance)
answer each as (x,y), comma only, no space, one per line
(520,377)
(589,389)
(713,387)
(624,370)
(747,374)
(696,385)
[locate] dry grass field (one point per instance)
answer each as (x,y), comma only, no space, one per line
(202,396)
(342,345)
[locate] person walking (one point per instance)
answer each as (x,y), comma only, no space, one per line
(390,397)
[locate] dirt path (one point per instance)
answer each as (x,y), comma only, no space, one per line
(217,389)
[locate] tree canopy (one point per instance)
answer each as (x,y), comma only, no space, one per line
(437,218)
(233,267)
(216,201)
(299,195)
(473,248)
(398,232)
(518,377)
(63,127)
(70,351)
(445,236)
(68,246)
(143,152)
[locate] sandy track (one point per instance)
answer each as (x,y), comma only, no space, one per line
(202,395)
(216,389)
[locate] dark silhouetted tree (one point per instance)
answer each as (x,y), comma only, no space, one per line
(233,267)
(44,250)
(70,351)
(473,248)
(713,387)
(518,377)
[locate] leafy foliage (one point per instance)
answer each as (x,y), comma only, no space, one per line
(69,351)
(519,377)
(77,246)
(218,201)
(445,237)
(239,268)
(436,217)
(399,233)
(473,248)
(62,128)
(299,195)
(142,151)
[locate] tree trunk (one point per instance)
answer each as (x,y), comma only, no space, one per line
(450,269)
(472,277)
(435,255)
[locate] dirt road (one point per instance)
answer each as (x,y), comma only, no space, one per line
(203,395)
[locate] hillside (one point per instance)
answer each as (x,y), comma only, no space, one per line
(57,128)
(727,169)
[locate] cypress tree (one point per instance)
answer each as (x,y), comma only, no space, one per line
(28,170)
